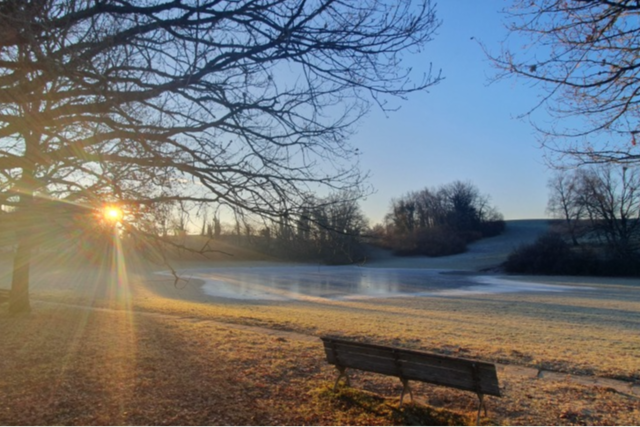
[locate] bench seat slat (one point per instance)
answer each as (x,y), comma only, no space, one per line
(414,371)
(379,366)
(408,355)
(414,365)
(425,359)
(445,379)
(484,372)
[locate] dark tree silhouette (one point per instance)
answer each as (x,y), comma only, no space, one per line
(599,209)
(441,221)
(584,54)
(565,203)
(600,202)
(330,230)
(148,103)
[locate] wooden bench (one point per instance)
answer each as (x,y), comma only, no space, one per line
(4,295)
(463,374)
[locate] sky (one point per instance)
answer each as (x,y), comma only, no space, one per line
(465,128)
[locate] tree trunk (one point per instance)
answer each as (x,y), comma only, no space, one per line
(26,215)
(19,295)
(26,218)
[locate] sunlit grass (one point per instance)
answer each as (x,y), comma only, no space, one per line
(370,408)
(65,365)
(567,332)
(563,333)
(128,366)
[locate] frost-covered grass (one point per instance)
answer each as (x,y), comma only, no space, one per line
(581,332)
(66,365)
(159,355)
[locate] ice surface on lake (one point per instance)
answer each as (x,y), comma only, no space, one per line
(349,282)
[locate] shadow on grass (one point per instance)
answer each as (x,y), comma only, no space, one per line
(368,404)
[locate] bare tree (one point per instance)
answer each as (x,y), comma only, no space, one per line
(456,210)
(601,202)
(345,226)
(243,103)
(611,197)
(584,54)
(565,203)
(330,230)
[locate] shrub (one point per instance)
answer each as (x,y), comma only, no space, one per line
(440,242)
(430,242)
(492,228)
(550,254)
(469,236)
(629,266)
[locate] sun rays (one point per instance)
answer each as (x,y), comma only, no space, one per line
(80,256)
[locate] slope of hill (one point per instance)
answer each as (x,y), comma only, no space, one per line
(481,255)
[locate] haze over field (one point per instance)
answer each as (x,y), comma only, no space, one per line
(193,192)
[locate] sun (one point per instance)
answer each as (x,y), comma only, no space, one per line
(112,213)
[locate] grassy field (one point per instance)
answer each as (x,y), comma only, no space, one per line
(70,365)
(132,348)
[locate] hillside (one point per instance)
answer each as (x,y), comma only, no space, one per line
(483,254)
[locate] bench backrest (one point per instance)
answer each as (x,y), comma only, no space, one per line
(463,374)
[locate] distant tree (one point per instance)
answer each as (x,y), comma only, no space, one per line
(265,234)
(440,221)
(604,202)
(403,214)
(329,229)
(304,224)
(179,220)
(343,227)
(203,229)
(611,197)
(238,225)
(465,206)
(565,203)
(584,55)
(217,227)
(240,103)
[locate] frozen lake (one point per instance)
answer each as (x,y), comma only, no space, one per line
(350,282)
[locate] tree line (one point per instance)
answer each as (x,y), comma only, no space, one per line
(330,230)
(597,227)
(334,230)
(439,221)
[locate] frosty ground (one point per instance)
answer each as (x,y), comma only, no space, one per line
(137,349)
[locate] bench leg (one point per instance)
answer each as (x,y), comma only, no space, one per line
(405,387)
(480,406)
(343,373)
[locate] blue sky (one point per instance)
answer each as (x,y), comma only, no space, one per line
(464,128)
